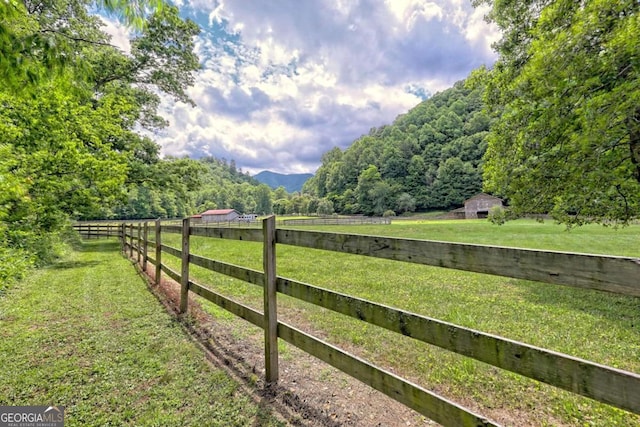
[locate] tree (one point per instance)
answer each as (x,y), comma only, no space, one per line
(566,95)
(280,193)
(365,189)
(71,106)
(455,182)
(264,204)
(282,207)
(38,40)
(325,207)
(405,203)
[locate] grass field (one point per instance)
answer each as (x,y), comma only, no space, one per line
(598,326)
(87,334)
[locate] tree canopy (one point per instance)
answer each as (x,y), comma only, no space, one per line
(71,106)
(429,158)
(565,93)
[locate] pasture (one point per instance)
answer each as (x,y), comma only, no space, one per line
(593,325)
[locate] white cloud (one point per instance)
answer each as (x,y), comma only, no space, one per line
(119,33)
(283,82)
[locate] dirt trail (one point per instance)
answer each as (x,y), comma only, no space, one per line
(309,392)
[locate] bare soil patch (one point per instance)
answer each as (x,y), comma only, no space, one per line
(309,392)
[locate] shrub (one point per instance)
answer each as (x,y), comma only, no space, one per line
(497,215)
(389,212)
(14,264)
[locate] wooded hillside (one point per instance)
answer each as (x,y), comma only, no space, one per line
(429,158)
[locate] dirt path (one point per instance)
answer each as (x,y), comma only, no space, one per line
(309,392)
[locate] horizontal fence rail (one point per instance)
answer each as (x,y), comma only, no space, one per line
(89,231)
(602,272)
(607,273)
(337,221)
(427,403)
(579,376)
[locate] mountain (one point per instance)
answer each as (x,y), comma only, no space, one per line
(292,182)
(429,158)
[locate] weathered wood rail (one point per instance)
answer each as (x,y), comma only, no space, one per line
(606,384)
(96,231)
(354,220)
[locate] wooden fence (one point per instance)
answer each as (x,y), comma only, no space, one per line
(606,384)
(96,230)
(353,220)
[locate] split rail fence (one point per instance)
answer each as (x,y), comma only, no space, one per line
(606,384)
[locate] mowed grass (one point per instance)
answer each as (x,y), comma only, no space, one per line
(87,334)
(594,325)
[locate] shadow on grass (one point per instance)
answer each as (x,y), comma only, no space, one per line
(272,399)
(618,309)
(99,245)
(64,265)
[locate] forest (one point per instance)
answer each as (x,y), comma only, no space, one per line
(429,159)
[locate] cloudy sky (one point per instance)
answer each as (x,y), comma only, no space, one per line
(284,81)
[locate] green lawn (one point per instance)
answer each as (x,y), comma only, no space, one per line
(87,334)
(594,325)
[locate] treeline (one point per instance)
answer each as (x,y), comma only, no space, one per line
(179,187)
(429,158)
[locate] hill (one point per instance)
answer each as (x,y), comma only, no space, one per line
(428,159)
(290,182)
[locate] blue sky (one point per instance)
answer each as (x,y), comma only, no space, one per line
(284,81)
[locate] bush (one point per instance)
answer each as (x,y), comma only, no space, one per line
(21,249)
(14,264)
(388,212)
(497,215)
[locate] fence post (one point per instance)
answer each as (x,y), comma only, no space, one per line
(158,253)
(123,242)
(184,288)
(139,240)
(145,236)
(270,301)
(131,240)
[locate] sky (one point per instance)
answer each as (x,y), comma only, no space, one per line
(284,81)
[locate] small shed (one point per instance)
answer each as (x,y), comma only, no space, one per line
(478,206)
(219,215)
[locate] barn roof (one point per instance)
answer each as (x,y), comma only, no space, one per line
(218,212)
(482,196)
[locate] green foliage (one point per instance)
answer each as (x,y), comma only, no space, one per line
(41,40)
(325,207)
(14,263)
(70,109)
(388,213)
(497,215)
(431,155)
(566,91)
(405,203)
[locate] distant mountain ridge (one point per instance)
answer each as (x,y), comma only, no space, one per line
(291,182)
